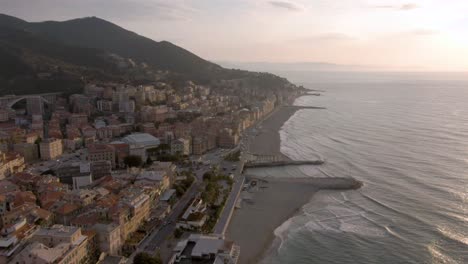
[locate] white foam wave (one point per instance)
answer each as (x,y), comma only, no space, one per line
(457,236)
(438,257)
(282,231)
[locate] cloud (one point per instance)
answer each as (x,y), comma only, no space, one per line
(404,7)
(422,32)
(286,5)
(327,37)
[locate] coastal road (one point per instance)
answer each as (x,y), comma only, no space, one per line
(158,236)
(225,217)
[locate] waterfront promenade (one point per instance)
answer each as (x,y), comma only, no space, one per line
(226,214)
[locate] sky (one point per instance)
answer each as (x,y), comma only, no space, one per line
(425,34)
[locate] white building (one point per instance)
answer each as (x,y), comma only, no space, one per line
(206,249)
(140,143)
(194,217)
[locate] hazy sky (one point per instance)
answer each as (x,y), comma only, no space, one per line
(432,34)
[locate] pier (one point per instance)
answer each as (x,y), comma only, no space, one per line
(283,163)
(262,161)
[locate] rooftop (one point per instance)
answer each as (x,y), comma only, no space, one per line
(141,139)
(57,230)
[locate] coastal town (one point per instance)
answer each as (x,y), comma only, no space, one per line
(127,173)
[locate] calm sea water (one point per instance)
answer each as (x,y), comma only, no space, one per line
(406,137)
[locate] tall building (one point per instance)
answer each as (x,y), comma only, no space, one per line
(51,149)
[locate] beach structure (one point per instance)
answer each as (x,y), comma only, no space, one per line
(195,216)
(205,249)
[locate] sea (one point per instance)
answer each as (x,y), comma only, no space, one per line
(405,136)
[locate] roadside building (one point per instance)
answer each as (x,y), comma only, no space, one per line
(109,237)
(57,244)
(205,249)
(180,146)
(227,138)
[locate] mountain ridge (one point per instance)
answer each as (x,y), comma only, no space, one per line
(92,48)
(93,32)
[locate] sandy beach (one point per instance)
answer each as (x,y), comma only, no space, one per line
(268,205)
(267,141)
(272,202)
(264,208)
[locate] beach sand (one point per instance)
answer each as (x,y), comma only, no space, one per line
(264,209)
(267,140)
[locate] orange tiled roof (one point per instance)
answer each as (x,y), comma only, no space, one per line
(24,197)
(67,208)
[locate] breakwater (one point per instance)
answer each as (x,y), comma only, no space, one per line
(254,164)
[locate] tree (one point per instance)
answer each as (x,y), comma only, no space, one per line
(145,258)
(133,161)
(208,176)
(149,161)
(178,233)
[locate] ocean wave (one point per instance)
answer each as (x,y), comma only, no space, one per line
(392,209)
(438,257)
(456,236)
(282,232)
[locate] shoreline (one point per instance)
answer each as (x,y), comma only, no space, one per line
(252,226)
(273,201)
(262,211)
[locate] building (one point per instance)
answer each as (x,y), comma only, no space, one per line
(100,169)
(75,174)
(194,217)
(109,238)
(51,149)
(180,146)
(205,249)
(199,145)
(4,115)
(227,138)
(57,244)
(101,152)
(10,163)
(29,151)
(135,209)
(104,105)
(140,143)
(113,260)
(142,139)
